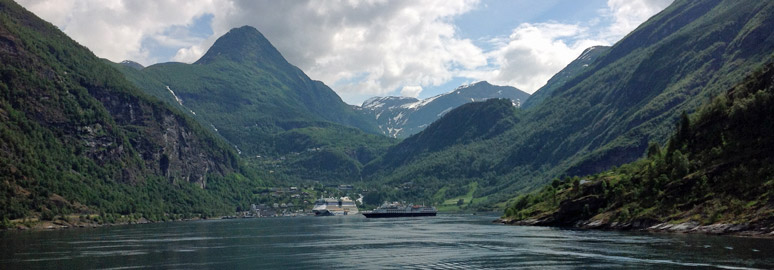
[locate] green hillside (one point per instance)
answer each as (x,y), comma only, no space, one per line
(76,138)
(470,123)
(718,167)
(249,92)
(606,115)
(245,91)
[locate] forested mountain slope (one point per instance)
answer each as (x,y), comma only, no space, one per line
(718,168)
(246,92)
(77,138)
(249,93)
(472,122)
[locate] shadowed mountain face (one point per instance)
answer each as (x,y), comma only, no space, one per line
(401,117)
(605,115)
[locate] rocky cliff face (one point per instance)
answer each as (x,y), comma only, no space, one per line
(167,145)
(127,129)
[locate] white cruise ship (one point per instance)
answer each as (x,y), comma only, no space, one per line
(335,207)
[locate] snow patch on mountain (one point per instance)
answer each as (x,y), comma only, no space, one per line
(398,117)
(421,103)
(586,55)
(445,111)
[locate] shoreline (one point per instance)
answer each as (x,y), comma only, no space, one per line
(73,223)
(63,224)
(720,229)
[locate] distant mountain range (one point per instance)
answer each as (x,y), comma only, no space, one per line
(401,117)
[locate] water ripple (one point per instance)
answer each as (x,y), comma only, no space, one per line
(443,242)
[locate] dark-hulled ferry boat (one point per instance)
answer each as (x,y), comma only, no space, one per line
(390,210)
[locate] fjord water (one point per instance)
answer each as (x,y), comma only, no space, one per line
(442,242)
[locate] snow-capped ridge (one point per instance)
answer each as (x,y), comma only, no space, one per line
(471,85)
(420,103)
(586,53)
(379,102)
(404,116)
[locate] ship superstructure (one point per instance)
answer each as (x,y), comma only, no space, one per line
(334,207)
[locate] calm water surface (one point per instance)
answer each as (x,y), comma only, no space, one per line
(443,242)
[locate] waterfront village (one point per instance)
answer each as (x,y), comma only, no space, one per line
(295,200)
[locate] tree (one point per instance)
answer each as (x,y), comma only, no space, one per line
(685,127)
(509,212)
(679,164)
(556,183)
(654,150)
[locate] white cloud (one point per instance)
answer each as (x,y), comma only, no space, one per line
(359,48)
(116,29)
(536,51)
(628,14)
(384,44)
(533,53)
(411,91)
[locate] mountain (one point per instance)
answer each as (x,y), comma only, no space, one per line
(469,123)
(79,139)
(401,117)
(244,90)
(606,115)
(438,163)
(714,175)
(575,67)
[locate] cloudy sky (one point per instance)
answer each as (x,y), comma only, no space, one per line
(364,48)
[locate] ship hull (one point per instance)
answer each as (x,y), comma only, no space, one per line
(324,213)
(328,213)
(397,215)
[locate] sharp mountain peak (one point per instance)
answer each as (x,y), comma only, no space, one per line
(243,45)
